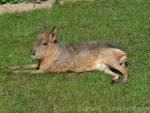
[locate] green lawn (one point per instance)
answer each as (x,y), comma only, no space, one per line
(124,22)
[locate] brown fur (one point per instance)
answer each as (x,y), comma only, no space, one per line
(119,54)
(78,57)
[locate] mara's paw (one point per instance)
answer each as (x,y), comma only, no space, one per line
(114,81)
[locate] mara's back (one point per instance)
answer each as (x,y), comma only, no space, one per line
(76,48)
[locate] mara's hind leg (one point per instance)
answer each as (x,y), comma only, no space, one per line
(107,70)
(121,69)
(115,75)
(30,66)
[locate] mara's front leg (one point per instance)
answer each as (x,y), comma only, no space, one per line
(23,67)
(31,68)
(35,71)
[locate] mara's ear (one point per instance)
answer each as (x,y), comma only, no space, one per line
(52,35)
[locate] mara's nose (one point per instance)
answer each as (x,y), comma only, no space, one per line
(33,52)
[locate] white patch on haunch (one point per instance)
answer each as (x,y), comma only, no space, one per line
(100,67)
(118,50)
(123,59)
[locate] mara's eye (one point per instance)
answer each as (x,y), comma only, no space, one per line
(44,44)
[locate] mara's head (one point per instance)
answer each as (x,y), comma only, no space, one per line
(44,43)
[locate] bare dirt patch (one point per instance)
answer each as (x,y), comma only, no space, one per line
(21,7)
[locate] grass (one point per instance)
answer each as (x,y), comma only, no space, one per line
(124,22)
